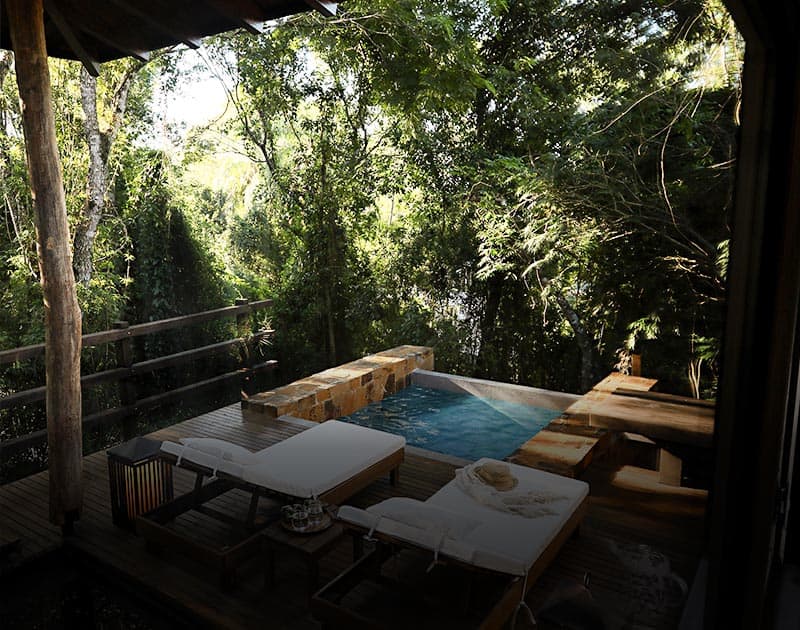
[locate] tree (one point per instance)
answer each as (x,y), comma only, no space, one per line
(322,146)
(62,316)
(594,143)
(99,142)
(548,159)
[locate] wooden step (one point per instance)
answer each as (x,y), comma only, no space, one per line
(560,452)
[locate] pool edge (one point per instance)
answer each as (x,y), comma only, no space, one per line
(495,390)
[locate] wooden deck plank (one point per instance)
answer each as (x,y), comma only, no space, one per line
(629,512)
(617,380)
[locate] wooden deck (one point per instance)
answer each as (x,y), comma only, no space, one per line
(637,532)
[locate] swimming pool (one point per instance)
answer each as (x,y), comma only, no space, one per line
(455,423)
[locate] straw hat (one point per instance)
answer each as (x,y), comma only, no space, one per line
(497,475)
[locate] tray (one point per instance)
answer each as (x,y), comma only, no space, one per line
(324,524)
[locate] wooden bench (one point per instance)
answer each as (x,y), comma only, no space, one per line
(570,443)
(622,412)
(647,421)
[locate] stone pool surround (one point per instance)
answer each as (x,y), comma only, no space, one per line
(566,446)
(341,390)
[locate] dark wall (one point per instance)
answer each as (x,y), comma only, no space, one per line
(757,401)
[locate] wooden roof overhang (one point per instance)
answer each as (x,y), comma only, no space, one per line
(93,32)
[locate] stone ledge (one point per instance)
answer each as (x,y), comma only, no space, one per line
(341,390)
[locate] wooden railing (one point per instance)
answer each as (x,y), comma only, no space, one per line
(127,372)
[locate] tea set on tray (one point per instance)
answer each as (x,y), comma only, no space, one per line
(309,517)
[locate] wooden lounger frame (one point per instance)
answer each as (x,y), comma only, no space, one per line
(153,525)
(332,615)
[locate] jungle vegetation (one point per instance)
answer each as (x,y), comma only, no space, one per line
(536,188)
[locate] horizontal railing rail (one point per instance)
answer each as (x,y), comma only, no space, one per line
(137,330)
(38,394)
(128,372)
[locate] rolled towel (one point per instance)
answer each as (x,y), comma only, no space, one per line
(496,474)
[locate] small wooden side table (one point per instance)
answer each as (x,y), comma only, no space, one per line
(309,547)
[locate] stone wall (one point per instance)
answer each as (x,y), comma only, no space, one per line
(341,390)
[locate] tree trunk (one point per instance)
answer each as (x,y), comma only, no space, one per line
(62,315)
(332,269)
(99,180)
(97,183)
(330,324)
(486,361)
(585,343)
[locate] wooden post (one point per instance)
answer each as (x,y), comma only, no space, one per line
(636,365)
(670,468)
(242,319)
(127,385)
(246,351)
(62,315)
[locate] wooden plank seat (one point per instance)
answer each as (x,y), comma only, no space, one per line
(658,419)
(506,551)
(331,461)
(562,450)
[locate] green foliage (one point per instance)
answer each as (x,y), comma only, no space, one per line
(564,184)
(529,186)
(173,272)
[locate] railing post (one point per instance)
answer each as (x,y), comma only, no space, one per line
(243,330)
(127,385)
(636,365)
(246,350)
(243,319)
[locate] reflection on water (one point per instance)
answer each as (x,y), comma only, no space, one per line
(454,423)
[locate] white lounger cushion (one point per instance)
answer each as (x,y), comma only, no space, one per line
(304,465)
(319,459)
(427,538)
(425,516)
(503,541)
(516,537)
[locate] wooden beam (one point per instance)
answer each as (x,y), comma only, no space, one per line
(140,55)
(91,65)
(62,315)
(328,9)
(36,394)
(191,42)
(224,10)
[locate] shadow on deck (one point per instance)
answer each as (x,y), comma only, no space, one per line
(638,535)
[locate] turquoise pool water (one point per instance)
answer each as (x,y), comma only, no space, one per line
(453,423)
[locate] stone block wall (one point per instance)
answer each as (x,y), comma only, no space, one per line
(340,390)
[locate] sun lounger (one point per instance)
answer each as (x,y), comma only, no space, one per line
(456,528)
(331,461)
(313,463)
